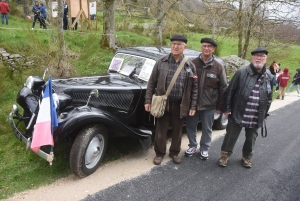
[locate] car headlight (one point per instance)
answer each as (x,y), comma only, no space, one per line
(55,100)
(29,82)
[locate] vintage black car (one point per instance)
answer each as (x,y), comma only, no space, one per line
(93,108)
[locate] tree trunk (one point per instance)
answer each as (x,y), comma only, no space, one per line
(159,21)
(26,7)
(240,28)
(108,39)
(248,33)
(61,39)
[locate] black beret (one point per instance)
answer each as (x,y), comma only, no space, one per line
(209,40)
(260,49)
(179,37)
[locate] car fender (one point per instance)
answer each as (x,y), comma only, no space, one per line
(80,117)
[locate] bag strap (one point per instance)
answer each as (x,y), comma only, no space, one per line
(176,75)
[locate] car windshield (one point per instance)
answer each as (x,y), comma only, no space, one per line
(132,65)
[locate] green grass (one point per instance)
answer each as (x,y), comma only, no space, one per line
(21,171)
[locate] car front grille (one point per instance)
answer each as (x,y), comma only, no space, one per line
(119,101)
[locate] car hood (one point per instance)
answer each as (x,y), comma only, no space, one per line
(118,94)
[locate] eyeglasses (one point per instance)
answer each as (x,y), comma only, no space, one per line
(259,55)
(177,44)
(207,46)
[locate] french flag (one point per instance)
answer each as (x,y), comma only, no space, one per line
(46,121)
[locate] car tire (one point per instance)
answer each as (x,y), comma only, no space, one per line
(221,122)
(88,150)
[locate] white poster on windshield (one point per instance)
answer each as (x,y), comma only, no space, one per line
(147,69)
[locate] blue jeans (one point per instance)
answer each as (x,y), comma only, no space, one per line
(207,120)
(291,86)
(6,17)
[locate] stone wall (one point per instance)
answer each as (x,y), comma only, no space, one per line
(14,60)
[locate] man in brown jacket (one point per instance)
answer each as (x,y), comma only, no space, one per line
(212,85)
(181,102)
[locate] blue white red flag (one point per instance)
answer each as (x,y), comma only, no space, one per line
(46,120)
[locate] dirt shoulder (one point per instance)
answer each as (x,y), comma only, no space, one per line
(72,188)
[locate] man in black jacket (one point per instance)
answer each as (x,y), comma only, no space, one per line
(247,103)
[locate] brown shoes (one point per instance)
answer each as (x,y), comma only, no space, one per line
(224,159)
(176,159)
(247,162)
(157,160)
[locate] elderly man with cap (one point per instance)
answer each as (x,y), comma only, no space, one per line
(247,103)
(212,85)
(181,102)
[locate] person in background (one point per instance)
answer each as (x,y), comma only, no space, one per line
(212,85)
(43,16)
(4,10)
(282,81)
(273,69)
(277,74)
(36,11)
(182,100)
(66,16)
(296,82)
(247,102)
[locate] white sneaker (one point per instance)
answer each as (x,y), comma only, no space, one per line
(286,94)
(190,151)
(204,155)
(32,28)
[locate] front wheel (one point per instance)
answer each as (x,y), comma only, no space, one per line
(88,150)
(221,122)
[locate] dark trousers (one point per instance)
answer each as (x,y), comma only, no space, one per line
(162,127)
(232,133)
(65,23)
(36,17)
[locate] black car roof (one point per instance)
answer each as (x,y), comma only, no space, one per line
(156,52)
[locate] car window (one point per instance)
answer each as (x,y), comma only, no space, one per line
(131,64)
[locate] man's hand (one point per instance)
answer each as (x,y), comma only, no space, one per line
(147,107)
(192,112)
(227,114)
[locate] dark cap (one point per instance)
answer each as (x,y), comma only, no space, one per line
(260,49)
(209,40)
(179,37)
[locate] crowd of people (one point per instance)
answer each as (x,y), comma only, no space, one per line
(281,79)
(200,90)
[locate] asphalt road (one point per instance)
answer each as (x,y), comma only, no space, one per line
(275,174)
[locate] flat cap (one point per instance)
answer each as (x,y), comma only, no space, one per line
(260,49)
(209,40)
(179,37)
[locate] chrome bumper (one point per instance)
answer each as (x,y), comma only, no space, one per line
(23,138)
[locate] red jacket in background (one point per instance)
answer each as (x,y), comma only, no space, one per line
(283,79)
(4,8)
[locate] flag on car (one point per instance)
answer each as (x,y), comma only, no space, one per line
(46,120)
